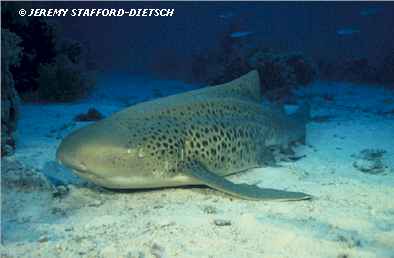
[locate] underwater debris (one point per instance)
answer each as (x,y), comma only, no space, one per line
(210,209)
(370,161)
(92,115)
(222,222)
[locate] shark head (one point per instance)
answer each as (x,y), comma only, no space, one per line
(105,156)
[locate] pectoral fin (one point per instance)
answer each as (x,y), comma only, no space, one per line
(244,191)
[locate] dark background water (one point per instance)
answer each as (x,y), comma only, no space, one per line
(351,41)
(133,42)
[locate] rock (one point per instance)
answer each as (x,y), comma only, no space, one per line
(58,211)
(69,229)
(60,191)
(157,251)
(222,222)
(369,166)
(210,210)
(349,239)
(92,115)
(372,154)
(281,73)
(43,239)
(370,161)
(96,203)
(7,150)
(10,101)
(20,178)
(135,255)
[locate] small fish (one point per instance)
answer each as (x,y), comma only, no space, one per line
(240,34)
(347,32)
(370,11)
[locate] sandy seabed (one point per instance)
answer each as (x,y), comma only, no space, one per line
(48,212)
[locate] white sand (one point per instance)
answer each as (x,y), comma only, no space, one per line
(351,216)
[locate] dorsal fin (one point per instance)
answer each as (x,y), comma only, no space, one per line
(246,87)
